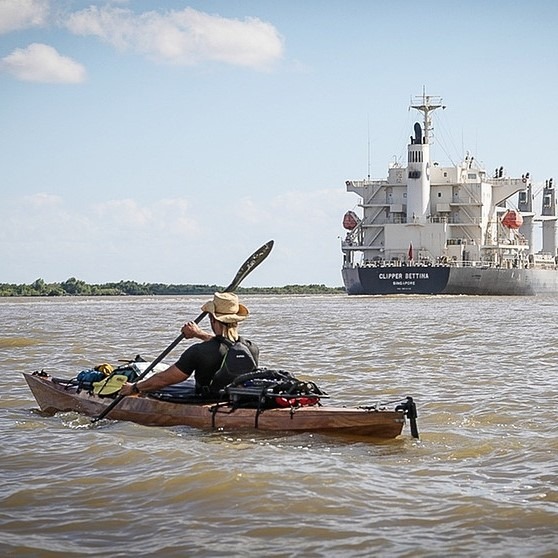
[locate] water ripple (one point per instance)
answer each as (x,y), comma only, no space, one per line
(481,481)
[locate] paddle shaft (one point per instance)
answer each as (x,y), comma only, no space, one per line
(247,267)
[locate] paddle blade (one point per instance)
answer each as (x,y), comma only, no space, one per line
(250,264)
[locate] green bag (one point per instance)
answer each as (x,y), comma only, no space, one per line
(110,385)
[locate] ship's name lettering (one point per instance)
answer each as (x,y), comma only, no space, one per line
(407,276)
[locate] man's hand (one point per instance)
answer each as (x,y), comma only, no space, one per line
(128,389)
(192,330)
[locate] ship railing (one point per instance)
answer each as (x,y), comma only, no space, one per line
(470,221)
(459,241)
(471,263)
(506,181)
(445,262)
(505,263)
(462,200)
(359,186)
(452,221)
(396,263)
(544,260)
(441,262)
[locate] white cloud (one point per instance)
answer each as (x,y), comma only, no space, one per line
(42,63)
(125,212)
(184,37)
(21,14)
(247,210)
(170,216)
(42,201)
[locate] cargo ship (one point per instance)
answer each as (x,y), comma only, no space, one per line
(434,229)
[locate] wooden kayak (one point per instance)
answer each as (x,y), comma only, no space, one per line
(54,395)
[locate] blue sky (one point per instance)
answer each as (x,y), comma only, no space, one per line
(165,141)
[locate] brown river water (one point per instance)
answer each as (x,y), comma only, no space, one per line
(482,479)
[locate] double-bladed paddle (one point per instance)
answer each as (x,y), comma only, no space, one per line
(247,267)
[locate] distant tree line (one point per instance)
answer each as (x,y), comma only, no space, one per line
(76,287)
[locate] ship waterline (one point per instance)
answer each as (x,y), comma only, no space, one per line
(433,229)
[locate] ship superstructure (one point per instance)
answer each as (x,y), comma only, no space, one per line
(432,229)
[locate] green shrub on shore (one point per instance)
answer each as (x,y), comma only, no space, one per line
(76,287)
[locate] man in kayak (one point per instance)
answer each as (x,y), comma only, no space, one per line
(203,359)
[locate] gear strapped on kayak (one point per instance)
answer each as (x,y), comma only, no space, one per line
(106,380)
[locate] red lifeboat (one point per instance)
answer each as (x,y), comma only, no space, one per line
(350,220)
(512,219)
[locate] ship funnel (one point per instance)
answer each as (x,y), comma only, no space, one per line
(418,177)
(418,133)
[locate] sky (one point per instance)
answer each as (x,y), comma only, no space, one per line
(165,141)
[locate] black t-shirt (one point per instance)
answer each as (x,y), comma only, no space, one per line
(205,359)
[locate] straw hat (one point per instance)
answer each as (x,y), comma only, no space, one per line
(225,308)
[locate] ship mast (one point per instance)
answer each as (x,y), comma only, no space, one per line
(427,104)
(418,161)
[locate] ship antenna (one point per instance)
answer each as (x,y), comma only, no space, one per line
(368,147)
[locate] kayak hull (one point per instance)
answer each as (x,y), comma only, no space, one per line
(57,396)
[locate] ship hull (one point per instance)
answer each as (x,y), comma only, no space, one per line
(383,280)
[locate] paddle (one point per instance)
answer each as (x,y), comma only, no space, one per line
(247,267)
